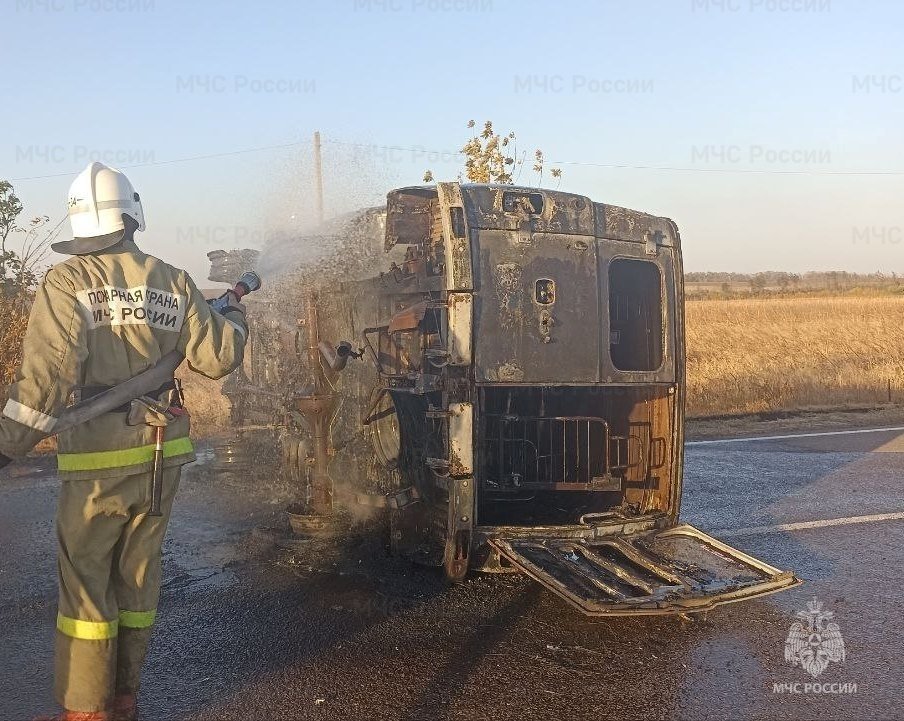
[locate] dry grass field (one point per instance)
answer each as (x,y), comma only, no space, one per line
(765,354)
(13,320)
(743,355)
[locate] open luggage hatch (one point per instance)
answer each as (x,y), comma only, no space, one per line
(678,570)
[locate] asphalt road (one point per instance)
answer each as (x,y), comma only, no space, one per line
(248,631)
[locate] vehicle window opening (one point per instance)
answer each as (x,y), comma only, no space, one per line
(635,315)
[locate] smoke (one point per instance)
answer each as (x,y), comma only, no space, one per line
(295,241)
(345,495)
(299,253)
(346,245)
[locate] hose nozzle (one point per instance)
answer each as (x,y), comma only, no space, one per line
(249,282)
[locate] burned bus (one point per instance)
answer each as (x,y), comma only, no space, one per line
(501,369)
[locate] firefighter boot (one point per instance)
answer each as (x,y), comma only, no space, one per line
(124,707)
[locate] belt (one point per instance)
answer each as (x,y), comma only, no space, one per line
(91,391)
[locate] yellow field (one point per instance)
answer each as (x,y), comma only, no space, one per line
(742,356)
(755,355)
(750,355)
(13,319)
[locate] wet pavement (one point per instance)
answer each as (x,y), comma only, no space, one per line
(248,630)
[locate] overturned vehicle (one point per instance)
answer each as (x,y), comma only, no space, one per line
(502,370)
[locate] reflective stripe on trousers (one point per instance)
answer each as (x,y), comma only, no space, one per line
(100,630)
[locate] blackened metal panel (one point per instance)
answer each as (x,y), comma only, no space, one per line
(460,328)
(677,445)
(537,315)
(409,216)
(456,237)
(679,570)
(633,226)
(493,207)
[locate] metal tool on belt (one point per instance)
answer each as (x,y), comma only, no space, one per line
(148,411)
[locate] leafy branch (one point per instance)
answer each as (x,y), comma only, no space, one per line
(20,268)
(491,157)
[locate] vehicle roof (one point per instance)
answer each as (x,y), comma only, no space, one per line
(569,213)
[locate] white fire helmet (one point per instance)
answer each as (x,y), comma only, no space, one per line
(98,199)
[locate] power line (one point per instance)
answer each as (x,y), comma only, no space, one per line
(626,166)
(675,169)
(451,153)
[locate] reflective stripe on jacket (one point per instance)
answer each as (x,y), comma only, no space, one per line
(98,320)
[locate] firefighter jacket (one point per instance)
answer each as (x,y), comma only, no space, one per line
(98,320)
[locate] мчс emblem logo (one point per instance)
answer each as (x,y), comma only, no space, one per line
(815,640)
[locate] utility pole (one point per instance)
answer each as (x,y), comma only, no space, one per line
(318,178)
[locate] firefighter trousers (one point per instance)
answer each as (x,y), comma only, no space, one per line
(109,578)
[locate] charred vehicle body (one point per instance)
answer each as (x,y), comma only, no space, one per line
(502,370)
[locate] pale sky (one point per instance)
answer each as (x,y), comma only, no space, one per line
(692,94)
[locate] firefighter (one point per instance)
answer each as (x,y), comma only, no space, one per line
(102,316)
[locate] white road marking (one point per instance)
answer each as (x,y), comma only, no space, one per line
(805,525)
(794,435)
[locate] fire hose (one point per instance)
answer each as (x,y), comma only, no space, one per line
(143,383)
(147,380)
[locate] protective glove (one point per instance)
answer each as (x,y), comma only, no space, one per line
(4,461)
(229,301)
(235,302)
